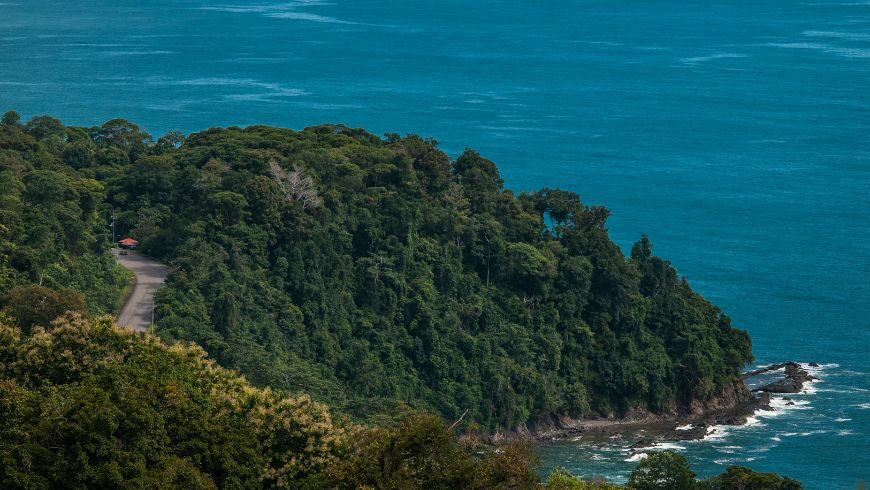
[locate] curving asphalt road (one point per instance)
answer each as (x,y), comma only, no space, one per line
(136,313)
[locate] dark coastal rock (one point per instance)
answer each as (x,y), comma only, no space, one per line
(784,386)
(793,381)
(814,364)
(693,434)
(642,443)
(732,405)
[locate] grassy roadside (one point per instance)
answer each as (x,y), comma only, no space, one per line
(129,286)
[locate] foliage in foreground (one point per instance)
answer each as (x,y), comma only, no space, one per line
(373,273)
(89,405)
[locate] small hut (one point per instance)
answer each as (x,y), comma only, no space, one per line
(128,243)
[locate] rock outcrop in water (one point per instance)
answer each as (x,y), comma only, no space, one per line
(793,382)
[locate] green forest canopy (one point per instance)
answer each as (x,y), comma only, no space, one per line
(373,273)
(89,405)
(376,274)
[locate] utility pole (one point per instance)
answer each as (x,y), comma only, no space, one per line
(113,227)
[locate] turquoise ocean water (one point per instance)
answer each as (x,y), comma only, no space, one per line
(735,133)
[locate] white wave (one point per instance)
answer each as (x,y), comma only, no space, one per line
(730,461)
(850,52)
(854,373)
(827,48)
(850,36)
(799,45)
(636,457)
(310,17)
(22,84)
(775,438)
(265,97)
(819,368)
(287,10)
(862,406)
(523,128)
(262,8)
(763,449)
(717,432)
(813,432)
(811,387)
(667,445)
(684,427)
(712,57)
(729,449)
(842,4)
(845,432)
(94,45)
(848,390)
(657,446)
(779,406)
(175,106)
(262,91)
(841,419)
(153,52)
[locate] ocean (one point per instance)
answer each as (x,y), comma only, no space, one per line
(735,133)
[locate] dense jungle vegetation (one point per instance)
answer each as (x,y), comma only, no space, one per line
(373,273)
(89,405)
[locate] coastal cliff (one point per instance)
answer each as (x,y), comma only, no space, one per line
(732,405)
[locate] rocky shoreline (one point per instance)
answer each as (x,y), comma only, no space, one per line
(793,382)
(733,405)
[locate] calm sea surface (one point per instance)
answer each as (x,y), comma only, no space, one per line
(735,133)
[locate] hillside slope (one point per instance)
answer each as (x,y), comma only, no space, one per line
(380,276)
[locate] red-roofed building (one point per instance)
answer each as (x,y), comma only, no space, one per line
(128,243)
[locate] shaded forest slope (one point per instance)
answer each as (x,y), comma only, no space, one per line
(381,276)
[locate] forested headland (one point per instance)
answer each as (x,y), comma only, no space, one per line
(374,275)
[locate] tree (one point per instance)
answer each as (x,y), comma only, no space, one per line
(642,249)
(295,186)
(560,206)
(34,305)
(169,141)
(43,126)
(422,453)
(11,118)
(123,135)
(662,470)
(740,478)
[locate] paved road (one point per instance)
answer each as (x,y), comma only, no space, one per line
(150,275)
